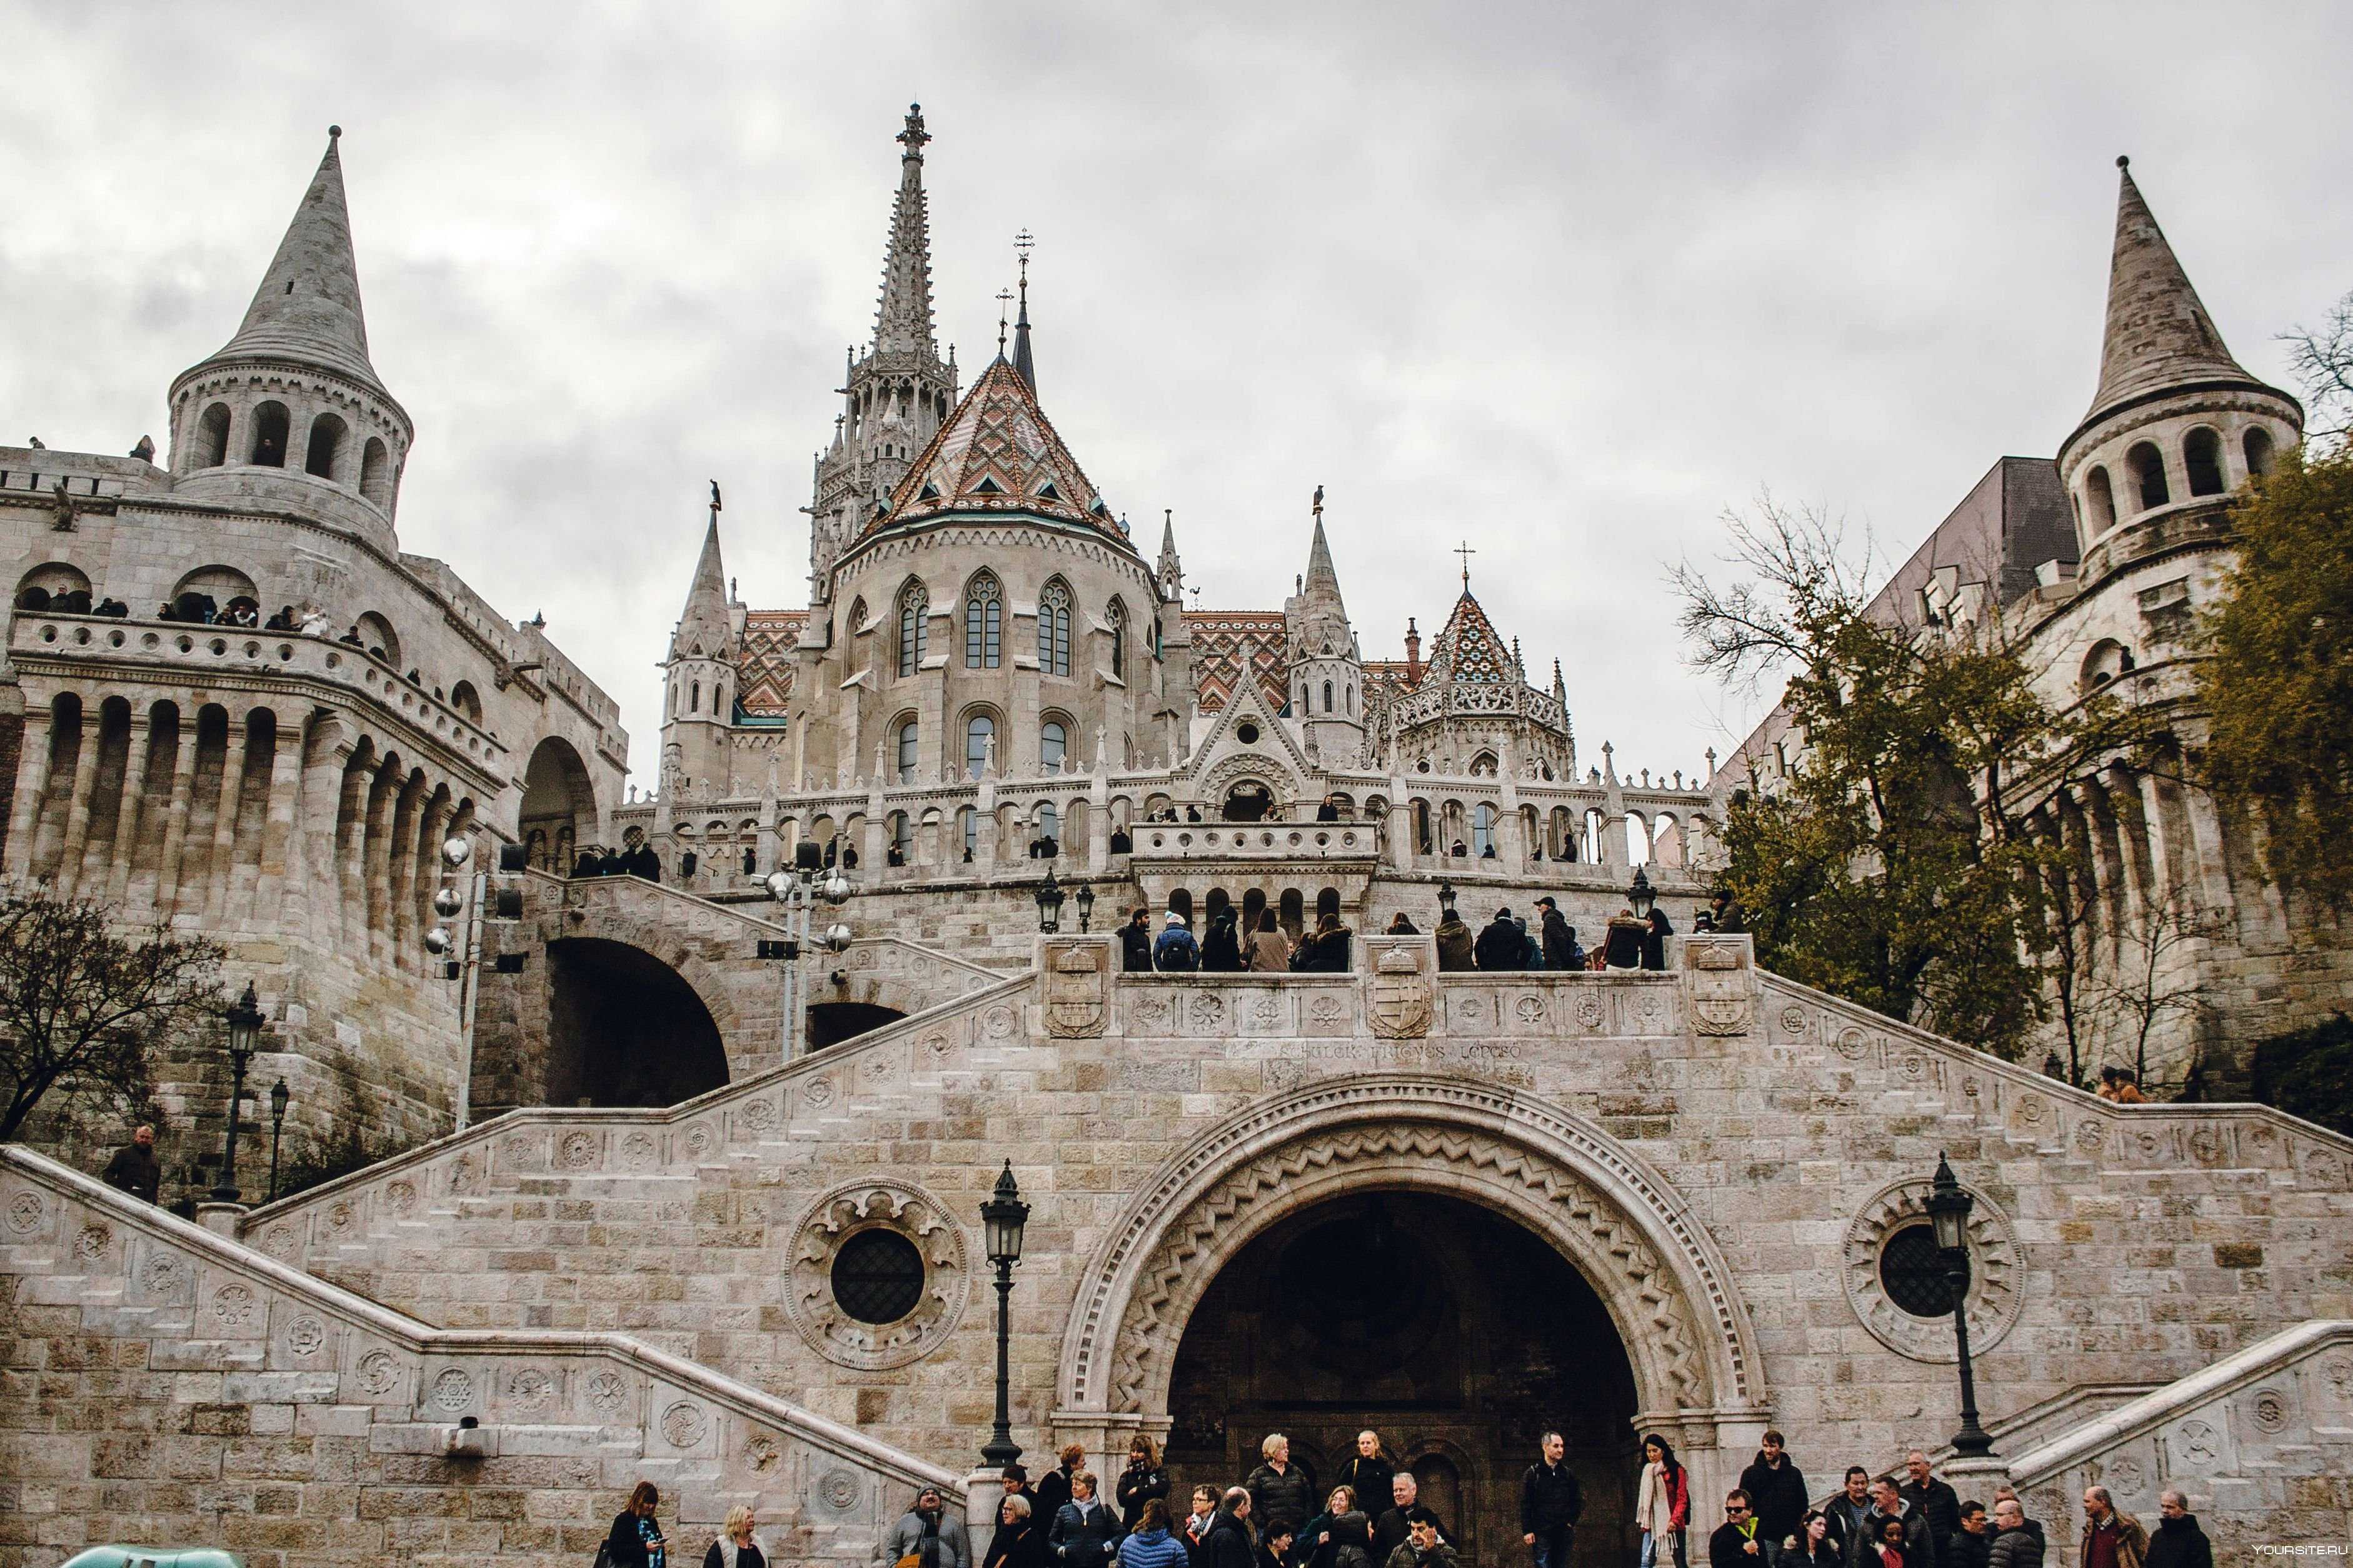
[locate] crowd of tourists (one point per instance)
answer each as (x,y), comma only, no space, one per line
(1372,1516)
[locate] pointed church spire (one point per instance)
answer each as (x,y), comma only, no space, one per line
(1170,571)
(1021,359)
(703,629)
(308,307)
(2158,334)
(902,322)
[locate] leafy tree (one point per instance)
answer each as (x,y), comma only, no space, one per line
(1891,865)
(2276,682)
(83,1003)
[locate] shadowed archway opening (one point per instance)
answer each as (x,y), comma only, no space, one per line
(625,1028)
(830,1022)
(1454,1331)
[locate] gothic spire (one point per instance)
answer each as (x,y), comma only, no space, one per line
(1171,570)
(902,322)
(704,628)
(2158,334)
(1021,359)
(308,307)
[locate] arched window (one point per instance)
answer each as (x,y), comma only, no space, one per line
(968,829)
(914,626)
(2201,457)
(694,698)
(325,456)
(1053,745)
(1482,830)
(1050,822)
(2147,465)
(984,623)
(1054,629)
(1327,697)
(269,422)
(466,701)
(212,437)
(1115,617)
(2257,445)
(2100,503)
(1483,766)
(376,472)
(978,731)
(910,736)
(903,837)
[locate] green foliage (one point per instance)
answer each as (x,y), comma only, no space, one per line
(2309,1073)
(83,1004)
(2277,678)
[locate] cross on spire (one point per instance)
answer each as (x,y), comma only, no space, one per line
(914,137)
(1465,551)
(1004,298)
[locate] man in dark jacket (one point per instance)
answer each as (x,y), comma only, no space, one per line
(2111,1539)
(1455,943)
(1175,952)
(134,1168)
(1934,1500)
(1970,1546)
(2018,1540)
(1846,1512)
(1054,1486)
(1394,1528)
(1423,1547)
(1888,1502)
(2178,1543)
(1777,1491)
(1737,1542)
(1085,1531)
(1227,1543)
(1501,944)
(1550,1501)
(1559,941)
(1135,944)
(1282,1494)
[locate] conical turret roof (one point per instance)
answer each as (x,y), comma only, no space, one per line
(308,307)
(704,630)
(2158,334)
(998,453)
(1469,649)
(1322,626)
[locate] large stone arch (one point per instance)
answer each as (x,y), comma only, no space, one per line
(1622,1226)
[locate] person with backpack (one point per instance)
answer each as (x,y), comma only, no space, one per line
(1550,1502)
(1175,952)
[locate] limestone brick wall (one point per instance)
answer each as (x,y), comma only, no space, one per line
(1784,1134)
(165,1386)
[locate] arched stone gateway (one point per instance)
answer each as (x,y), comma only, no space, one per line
(1623,1228)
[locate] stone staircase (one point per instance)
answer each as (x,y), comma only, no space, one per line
(165,1383)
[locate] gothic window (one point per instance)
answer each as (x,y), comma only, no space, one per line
(2100,502)
(978,731)
(1053,745)
(2202,455)
(1054,629)
(1156,644)
(968,829)
(1482,830)
(914,618)
(903,837)
(694,697)
(1115,617)
(1483,766)
(1327,697)
(2258,446)
(983,612)
(2147,465)
(1050,822)
(909,735)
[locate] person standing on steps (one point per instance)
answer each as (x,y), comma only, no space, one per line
(1777,1491)
(1550,1503)
(134,1168)
(636,1539)
(1143,1482)
(1663,1505)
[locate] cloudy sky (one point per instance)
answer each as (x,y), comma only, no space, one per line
(1564,281)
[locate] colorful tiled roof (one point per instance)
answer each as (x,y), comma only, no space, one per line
(1231,645)
(763,679)
(998,453)
(1469,649)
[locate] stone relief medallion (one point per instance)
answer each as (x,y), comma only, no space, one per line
(2148,1143)
(91,1243)
(1266,1012)
(2261,1139)
(638,1151)
(341,1216)
(2031,1109)
(1209,1012)
(1467,1009)
(577,1150)
(280,1243)
(462,1171)
(453,1390)
(1077,999)
(838,1491)
(684,1425)
(2200,1444)
(2207,1146)
(2324,1167)
(2125,1475)
(830,1222)
(2269,1410)
(936,1045)
(26,1211)
(2091,1135)
(1529,1009)
(532,1390)
(2338,1371)
(606,1393)
(1912,1064)
(305,1336)
(997,1023)
(1793,1019)
(1650,1012)
(377,1373)
(1971,1087)
(236,1306)
(519,1150)
(1995,1298)
(165,1275)
(1593,1012)
(875,1072)
(1328,1011)
(400,1197)
(762,1454)
(699,1140)
(760,1115)
(819,1094)
(1851,1043)
(1152,1012)
(1401,998)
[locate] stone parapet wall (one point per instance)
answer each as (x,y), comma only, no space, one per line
(165,1386)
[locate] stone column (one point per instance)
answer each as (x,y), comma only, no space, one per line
(374,863)
(134,800)
(353,800)
(85,783)
(32,783)
(175,814)
(278,847)
(399,870)
(221,873)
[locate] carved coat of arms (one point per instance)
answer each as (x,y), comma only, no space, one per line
(1075,1003)
(1401,999)
(1723,992)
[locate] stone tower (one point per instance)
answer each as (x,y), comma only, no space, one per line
(293,389)
(699,683)
(894,397)
(1327,673)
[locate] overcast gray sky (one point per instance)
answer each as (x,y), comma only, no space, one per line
(1564,281)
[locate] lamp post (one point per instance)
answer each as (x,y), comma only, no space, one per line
(244,1026)
(1948,1211)
(800,890)
(1641,894)
(1001,1219)
(1086,902)
(1049,904)
(1446,900)
(278,1098)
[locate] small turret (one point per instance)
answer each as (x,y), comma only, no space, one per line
(699,678)
(1327,676)
(1170,572)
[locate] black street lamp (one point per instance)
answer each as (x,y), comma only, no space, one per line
(1641,894)
(1446,900)
(1049,904)
(1086,902)
(278,1098)
(1948,1212)
(1001,1219)
(244,1026)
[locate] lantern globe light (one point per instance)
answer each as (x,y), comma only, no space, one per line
(456,851)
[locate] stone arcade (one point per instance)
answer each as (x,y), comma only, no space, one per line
(685,1240)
